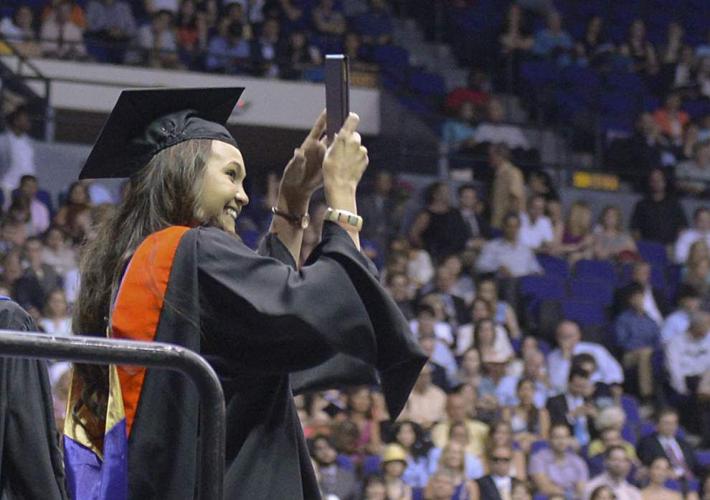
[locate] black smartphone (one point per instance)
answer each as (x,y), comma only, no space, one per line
(337,92)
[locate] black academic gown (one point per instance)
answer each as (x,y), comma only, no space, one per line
(31,466)
(261,323)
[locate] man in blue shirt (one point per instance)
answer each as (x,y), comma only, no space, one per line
(638,335)
(230,53)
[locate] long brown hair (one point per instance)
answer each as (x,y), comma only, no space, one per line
(163,193)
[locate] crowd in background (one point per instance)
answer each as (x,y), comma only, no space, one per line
(569,350)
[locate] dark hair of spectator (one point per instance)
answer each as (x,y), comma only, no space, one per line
(500,149)
(686,291)
(421,446)
(631,290)
(583,358)
(235,30)
(668,410)
(577,372)
(426,309)
(392,276)
(430,191)
(699,211)
(26,178)
(13,115)
(466,187)
(596,493)
(318,437)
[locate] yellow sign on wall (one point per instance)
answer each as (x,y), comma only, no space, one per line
(594,180)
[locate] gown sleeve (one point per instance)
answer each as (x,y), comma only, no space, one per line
(341,369)
(264,316)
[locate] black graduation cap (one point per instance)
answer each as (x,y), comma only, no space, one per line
(146,121)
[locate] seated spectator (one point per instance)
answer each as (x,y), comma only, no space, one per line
(659,471)
(327,20)
(659,216)
(490,340)
(569,339)
(672,119)
(20,31)
(608,437)
(463,286)
(498,483)
(458,131)
(506,256)
(616,468)
(265,48)
(229,53)
(363,412)
(71,215)
(454,459)
(38,279)
(456,413)
(638,336)
(528,421)
(594,49)
(154,6)
(540,183)
(440,487)
(394,462)
(665,442)
(471,209)
(77,14)
(677,322)
(56,253)
(375,26)
(358,54)
(470,368)
(536,230)
(439,228)
(293,13)
(639,50)
(557,470)
(476,91)
(508,189)
(39,211)
(694,175)
(575,407)
(432,320)
(500,311)
(611,242)
(553,42)
(426,404)
(696,273)
(699,231)
(110,26)
(494,131)
(398,286)
(410,437)
(443,287)
(688,362)
(191,32)
(333,479)
(56,319)
(417,262)
(577,238)
(647,148)
(17,156)
(60,37)
(298,56)
(157,41)
(501,435)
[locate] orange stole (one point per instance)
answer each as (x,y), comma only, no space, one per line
(138,305)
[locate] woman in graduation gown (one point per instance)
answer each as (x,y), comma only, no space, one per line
(169,267)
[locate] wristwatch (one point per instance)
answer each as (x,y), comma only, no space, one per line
(300,221)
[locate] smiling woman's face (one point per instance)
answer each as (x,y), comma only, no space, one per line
(222,195)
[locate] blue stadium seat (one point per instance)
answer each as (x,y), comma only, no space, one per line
(391,57)
(542,287)
(653,252)
(539,73)
(555,266)
(593,290)
(429,84)
(595,269)
(538,445)
(675,485)
(631,408)
(586,313)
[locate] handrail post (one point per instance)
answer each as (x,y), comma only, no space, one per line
(100,351)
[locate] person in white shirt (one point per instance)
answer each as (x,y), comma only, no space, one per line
(569,340)
(617,466)
(688,355)
(16,151)
(56,319)
(39,212)
(536,230)
(59,36)
(700,230)
(507,256)
(678,322)
(494,131)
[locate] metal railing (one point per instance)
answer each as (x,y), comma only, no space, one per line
(99,351)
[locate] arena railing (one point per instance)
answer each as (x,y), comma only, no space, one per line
(98,351)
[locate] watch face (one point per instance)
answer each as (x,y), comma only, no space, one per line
(305,220)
